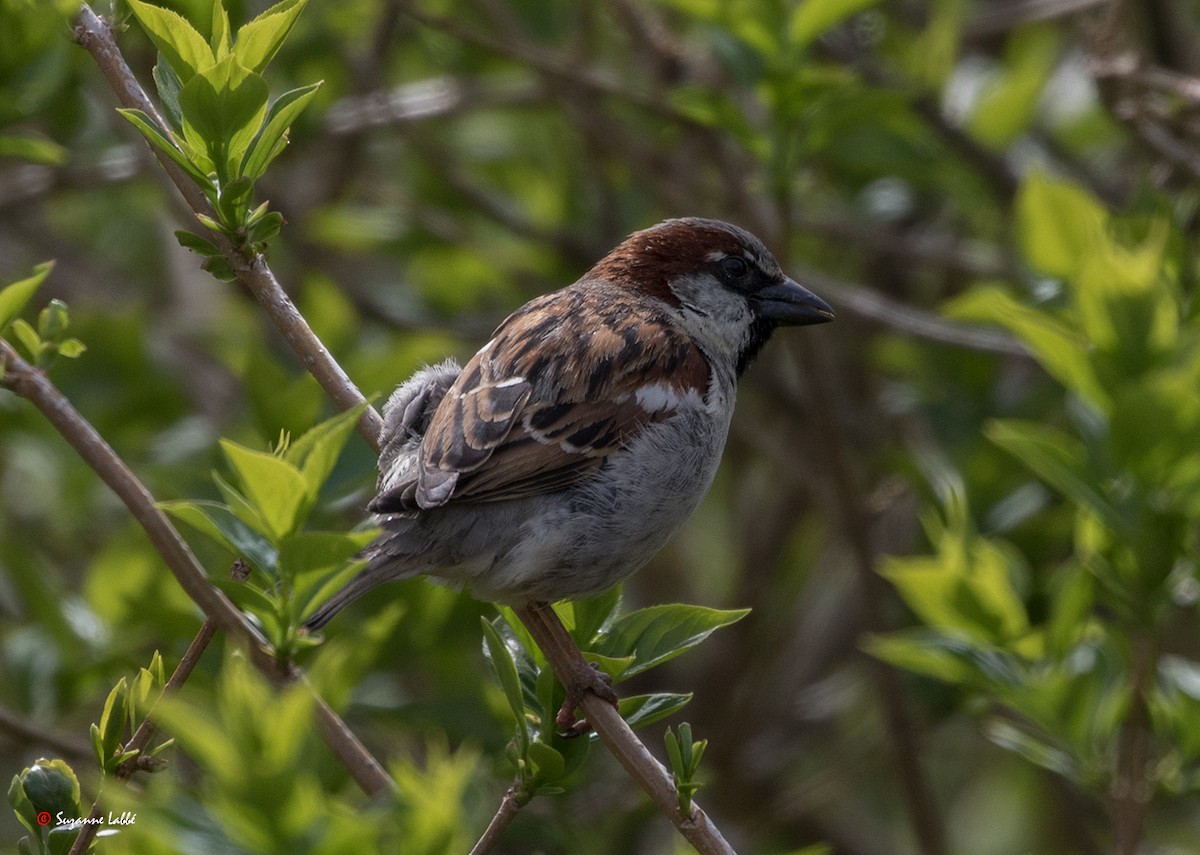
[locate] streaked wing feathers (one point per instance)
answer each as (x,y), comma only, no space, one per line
(566,381)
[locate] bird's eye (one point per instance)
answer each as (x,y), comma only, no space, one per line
(734,266)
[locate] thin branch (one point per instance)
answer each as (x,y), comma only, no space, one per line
(21,729)
(413,103)
(1000,18)
(871,304)
(565,659)
(531,56)
(95,35)
(33,385)
(145,730)
(510,806)
(1131,789)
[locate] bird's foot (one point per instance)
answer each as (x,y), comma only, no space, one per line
(590,679)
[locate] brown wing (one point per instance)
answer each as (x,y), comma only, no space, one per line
(567,380)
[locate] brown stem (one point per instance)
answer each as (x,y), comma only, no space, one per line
(146,729)
(510,806)
(565,659)
(1131,791)
(19,729)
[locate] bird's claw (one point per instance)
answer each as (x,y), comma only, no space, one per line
(593,680)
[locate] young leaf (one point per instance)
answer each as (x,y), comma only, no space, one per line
(506,669)
(258,41)
(168,84)
(221,41)
(593,614)
(196,243)
(274,487)
(641,710)
(220,523)
(29,338)
(112,723)
(813,17)
(14,297)
(272,139)
(265,228)
(222,111)
(1058,224)
(184,49)
(53,320)
(660,633)
(316,452)
(1058,459)
(157,138)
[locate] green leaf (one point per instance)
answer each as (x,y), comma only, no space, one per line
(220,523)
(14,297)
(591,615)
(197,244)
(222,111)
(1009,102)
(506,669)
(1070,607)
(168,84)
(1061,461)
(265,228)
(316,452)
(1034,750)
(275,488)
(813,17)
(51,785)
(177,40)
(71,348)
(1059,224)
(158,138)
(33,149)
(921,652)
(29,338)
(221,41)
(53,320)
(659,633)
(964,588)
(1123,305)
(272,139)
(641,710)
(550,764)
(1058,348)
(259,40)
(112,723)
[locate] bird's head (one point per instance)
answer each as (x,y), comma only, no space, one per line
(719,280)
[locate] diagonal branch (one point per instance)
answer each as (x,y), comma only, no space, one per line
(95,35)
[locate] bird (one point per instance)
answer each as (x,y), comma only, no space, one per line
(570,448)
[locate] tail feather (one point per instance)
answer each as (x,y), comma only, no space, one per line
(368,578)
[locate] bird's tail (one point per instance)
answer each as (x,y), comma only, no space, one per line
(368,578)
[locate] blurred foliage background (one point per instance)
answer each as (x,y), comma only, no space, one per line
(959,178)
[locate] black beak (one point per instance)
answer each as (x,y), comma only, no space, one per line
(788,303)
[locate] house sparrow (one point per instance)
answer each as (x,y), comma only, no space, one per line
(571,447)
